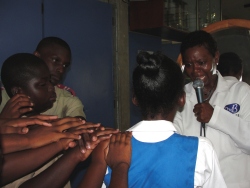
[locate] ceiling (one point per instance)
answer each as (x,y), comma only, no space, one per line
(235,9)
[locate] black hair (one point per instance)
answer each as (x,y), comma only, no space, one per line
(199,38)
(157,83)
(48,41)
(18,69)
(229,62)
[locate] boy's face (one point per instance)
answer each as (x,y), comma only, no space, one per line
(57,59)
(40,90)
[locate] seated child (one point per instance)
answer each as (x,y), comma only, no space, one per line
(56,54)
(161,157)
(27,74)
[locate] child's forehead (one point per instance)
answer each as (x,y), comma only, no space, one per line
(39,75)
(55,47)
(36,70)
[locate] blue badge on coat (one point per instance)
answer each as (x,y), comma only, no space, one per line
(233,108)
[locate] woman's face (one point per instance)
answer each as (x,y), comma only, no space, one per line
(199,63)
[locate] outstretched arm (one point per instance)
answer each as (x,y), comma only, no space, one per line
(64,166)
(118,159)
(20,125)
(97,168)
(116,153)
(18,105)
(19,164)
(41,135)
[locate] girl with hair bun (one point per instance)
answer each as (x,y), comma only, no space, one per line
(161,157)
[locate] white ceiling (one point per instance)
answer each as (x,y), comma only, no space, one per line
(235,9)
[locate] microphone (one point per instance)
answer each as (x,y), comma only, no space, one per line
(198,87)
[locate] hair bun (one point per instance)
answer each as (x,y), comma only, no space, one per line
(149,64)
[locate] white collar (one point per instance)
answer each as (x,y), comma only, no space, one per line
(152,131)
(230,78)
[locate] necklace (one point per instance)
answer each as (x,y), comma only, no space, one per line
(209,94)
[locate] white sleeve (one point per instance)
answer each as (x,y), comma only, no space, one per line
(178,123)
(238,128)
(207,169)
(103,184)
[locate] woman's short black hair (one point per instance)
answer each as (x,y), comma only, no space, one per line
(18,69)
(157,83)
(199,38)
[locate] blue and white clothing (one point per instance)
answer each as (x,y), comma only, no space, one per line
(228,128)
(162,158)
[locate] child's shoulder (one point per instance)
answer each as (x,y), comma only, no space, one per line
(66,88)
(62,91)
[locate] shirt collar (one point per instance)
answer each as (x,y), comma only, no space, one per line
(152,131)
(222,85)
(230,78)
(153,126)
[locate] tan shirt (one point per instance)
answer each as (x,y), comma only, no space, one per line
(66,104)
(20,181)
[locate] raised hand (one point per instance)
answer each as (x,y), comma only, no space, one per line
(119,150)
(115,151)
(203,112)
(17,106)
(118,158)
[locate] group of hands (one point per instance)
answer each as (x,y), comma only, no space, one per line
(70,132)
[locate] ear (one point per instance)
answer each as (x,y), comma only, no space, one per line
(36,53)
(134,100)
(16,90)
(182,100)
(239,74)
(217,57)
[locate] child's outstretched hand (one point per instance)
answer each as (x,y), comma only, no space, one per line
(98,164)
(65,128)
(94,141)
(19,125)
(119,150)
(17,106)
(90,141)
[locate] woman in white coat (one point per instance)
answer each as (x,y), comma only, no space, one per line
(225,110)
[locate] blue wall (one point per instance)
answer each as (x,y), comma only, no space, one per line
(86,26)
(21,27)
(138,41)
(171,50)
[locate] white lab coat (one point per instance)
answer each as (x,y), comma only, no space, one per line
(229,132)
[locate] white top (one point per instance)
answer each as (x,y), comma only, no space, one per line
(230,78)
(228,132)
(207,170)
